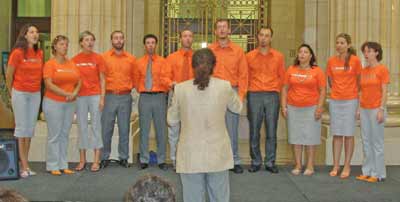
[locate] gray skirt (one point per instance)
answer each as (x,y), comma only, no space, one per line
(303,129)
(343,117)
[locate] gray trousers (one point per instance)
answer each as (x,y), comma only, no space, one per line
(232,126)
(263,106)
(153,107)
(59,116)
(89,139)
(120,107)
(373,144)
(215,183)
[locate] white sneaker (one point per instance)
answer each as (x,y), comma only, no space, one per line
(31,172)
(24,174)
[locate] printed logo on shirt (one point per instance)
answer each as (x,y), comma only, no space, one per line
(32,60)
(341,68)
(86,64)
(66,70)
(302,77)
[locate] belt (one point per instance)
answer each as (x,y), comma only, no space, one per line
(118,92)
(152,93)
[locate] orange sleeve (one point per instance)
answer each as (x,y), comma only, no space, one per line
(166,73)
(321,78)
(358,66)
(328,69)
(103,56)
(281,72)
(101,63)
(48,70)
(133,68)
(243,76)
(15,58)
(384,75)
(135,75)
(286,78)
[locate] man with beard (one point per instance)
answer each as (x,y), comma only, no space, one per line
(153,77)
(231,66)
(118,100)
(266,74)
(181,65)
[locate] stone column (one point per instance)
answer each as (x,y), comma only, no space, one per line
(6,117)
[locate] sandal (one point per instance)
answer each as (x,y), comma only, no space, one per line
(334,172)
(362,177)
(55,172)
(95,167)
(68,171)
(345,174)
(308,172)
(81,166)
(296,171)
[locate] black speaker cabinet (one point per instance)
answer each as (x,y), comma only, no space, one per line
(9,168)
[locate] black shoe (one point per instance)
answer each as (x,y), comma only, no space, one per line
(272,169)
(144,165)
(254,168)
(237,169)
(163,166)
(104,163)
(124,163)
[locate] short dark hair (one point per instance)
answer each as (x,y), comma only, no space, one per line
(10,195)
(183,30)
(116,31)
(148,36)
(266,27)
(221,20)
(313,60)
(203,63)
(150,188)
(373,45)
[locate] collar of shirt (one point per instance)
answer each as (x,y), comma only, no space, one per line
(153,57)
(186,52)
(123,53)
(269,53)
(217,45)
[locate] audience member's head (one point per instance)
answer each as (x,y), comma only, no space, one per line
(9,195)
(151,188)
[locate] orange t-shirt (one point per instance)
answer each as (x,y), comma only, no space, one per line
(371,82)
(181,71)
(28,69)
(161,74)
(266,72)
(304,85)
(119,70)
(90,65)
(231,66)
(344,82)
(66,76)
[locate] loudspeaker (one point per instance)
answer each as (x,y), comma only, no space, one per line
(9,168)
